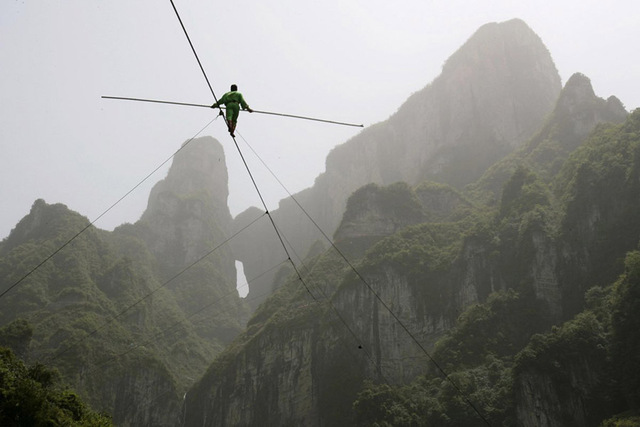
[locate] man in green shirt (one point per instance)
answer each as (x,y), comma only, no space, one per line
(233,100)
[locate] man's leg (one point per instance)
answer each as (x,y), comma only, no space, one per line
(229,118)
(235,112)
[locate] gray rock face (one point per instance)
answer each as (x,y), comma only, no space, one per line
(440,202)
(558,395)
(187,211)
(493,93)
(374,213)
(580,104)
(146,396)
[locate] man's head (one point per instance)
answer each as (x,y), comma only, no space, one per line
(234,87)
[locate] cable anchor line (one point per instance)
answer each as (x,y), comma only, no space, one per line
(271,113)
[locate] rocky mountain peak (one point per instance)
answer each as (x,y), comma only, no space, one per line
(503,76)
(188,209)
(579,107)
(577,90)
(199,167)
(493,94)
(44,221)
(578,95)
(499,40)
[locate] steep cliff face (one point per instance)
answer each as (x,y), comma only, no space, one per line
(244,386)
(146,395)
(185,225)
(563,378)
(569,375)
(441,202)
(251,382)
(491,97)
(423,275)
(187,211)
(602,200)
(374,213)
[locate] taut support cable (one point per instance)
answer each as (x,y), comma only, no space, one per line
(193,49)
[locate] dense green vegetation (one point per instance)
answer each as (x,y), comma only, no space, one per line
(591,359)
(34,396)
(107,316)
(588,363)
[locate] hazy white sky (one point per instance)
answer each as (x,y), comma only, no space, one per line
(346,60)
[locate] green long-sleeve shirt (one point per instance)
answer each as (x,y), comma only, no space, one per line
(230,97)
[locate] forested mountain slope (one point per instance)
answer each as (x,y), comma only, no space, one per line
(480,292)
(118,313)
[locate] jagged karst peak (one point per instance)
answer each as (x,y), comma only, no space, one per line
(493,39)
(579,110)
(188,208)
(491,96)
(577,91)
(67,278)
(508,77)
(614,104)
(374,212)
(578,94)
(199,167)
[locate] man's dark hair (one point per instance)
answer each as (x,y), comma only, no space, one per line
(234,87)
